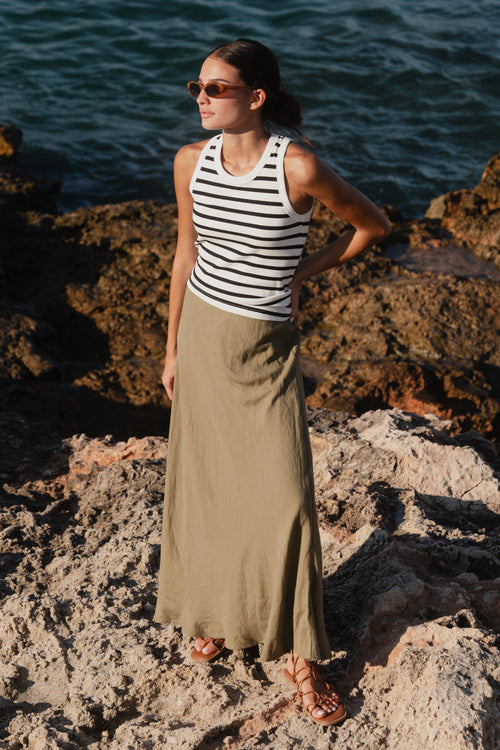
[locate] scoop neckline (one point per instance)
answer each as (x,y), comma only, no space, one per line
(253,172)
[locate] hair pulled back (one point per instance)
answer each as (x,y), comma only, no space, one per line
(258,67)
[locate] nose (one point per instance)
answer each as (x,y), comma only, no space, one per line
(202,97)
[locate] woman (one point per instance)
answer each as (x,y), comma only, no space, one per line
(241,556)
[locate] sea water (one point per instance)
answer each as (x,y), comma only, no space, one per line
(399,96)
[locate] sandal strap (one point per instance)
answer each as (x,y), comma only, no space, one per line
(327,696)
(217,642)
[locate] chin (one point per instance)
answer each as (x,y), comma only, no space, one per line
(209,125)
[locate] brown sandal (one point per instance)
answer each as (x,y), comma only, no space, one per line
(327,698)
(202,658)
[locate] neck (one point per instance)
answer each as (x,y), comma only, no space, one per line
(241,150)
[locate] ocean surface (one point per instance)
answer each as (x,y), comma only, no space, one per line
(401,97)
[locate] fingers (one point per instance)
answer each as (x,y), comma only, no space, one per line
(168,375)
(168,384)
(294,315)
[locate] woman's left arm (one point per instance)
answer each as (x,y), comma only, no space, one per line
(308,176)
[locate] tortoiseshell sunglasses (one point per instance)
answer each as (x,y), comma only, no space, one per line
(213,89)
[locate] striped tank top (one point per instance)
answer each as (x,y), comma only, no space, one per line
(250,239)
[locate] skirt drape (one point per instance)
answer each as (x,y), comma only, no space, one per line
(240,555)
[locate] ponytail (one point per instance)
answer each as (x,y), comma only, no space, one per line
(283,109)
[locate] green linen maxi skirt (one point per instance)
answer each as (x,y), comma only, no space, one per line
(240,554)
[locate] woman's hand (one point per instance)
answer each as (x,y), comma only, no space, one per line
(168,376)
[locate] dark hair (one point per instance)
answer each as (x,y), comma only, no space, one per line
(258,67)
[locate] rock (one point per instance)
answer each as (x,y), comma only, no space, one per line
(86,296)
(375,334)
(409,519)
(99,280)
(473,216)
(398,328)
(27,346)
(19,190)
(10,141)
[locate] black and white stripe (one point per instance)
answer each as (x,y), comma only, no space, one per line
(250,238)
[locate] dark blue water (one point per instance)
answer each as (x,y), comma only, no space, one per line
(400,97)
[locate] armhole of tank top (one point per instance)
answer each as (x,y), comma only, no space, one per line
(200,161)
(282,186)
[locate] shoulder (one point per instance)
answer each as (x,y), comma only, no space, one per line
(311,176)
(186,160)
(301,166)
(188,155)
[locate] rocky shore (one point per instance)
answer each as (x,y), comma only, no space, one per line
(401,352)
(84,311)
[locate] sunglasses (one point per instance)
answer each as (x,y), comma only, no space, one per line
(213,89)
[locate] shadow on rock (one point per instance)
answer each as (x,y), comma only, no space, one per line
(84,310)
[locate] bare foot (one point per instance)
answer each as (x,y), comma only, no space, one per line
(207,649)
(318,697)
(205,646)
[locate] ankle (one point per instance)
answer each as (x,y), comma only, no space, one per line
(294,659)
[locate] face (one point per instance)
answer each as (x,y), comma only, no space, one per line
(231,110)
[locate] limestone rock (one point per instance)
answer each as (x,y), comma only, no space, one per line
(19,190)
(409,520)
(473,216)
(27,345)
(376,333)
(99,279)
(10,140)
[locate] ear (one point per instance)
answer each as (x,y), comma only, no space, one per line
(258,98)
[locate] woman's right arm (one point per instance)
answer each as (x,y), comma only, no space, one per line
(185,255)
